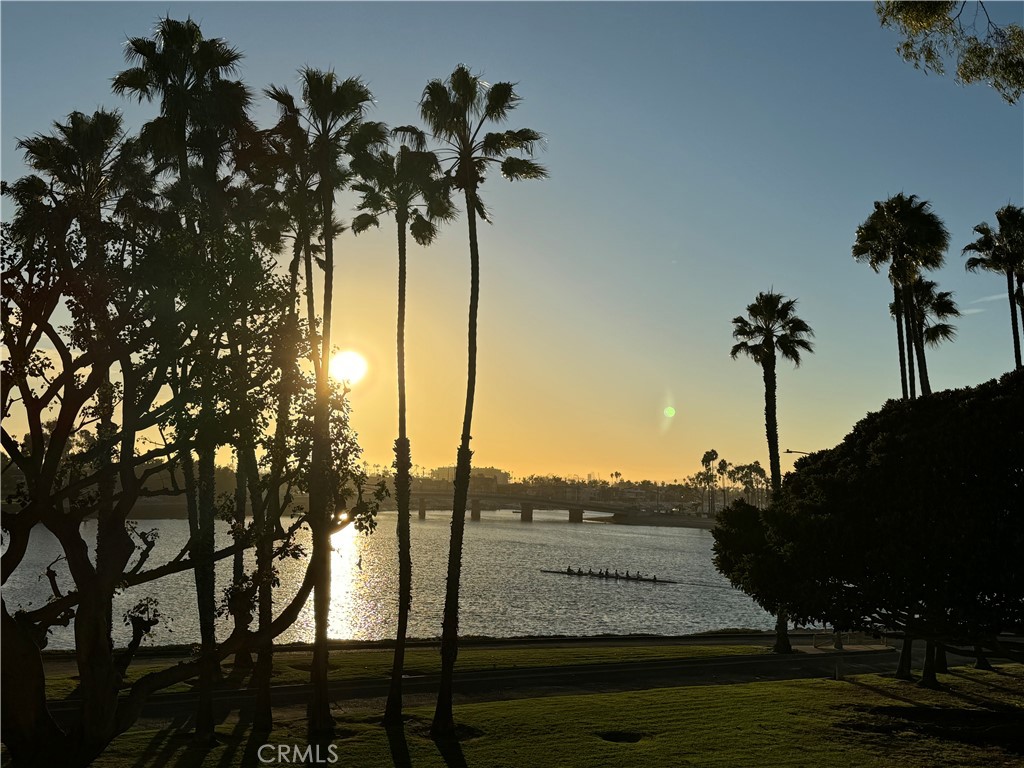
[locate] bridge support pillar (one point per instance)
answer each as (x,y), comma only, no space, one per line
(527,513)
(423,508)
(474,509)
(575,515)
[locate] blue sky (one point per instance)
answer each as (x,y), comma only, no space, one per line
(699,153)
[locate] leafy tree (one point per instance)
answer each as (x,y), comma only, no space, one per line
(1002,251)
(408,185)
(906,234)
(908,473)
(984,51)
(457,111)
(772,328)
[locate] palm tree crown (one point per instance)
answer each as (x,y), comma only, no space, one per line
(905,233)
(771,326)
(188,73)
(456,111)
(1002,251)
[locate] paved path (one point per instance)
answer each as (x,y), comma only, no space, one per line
(532,682)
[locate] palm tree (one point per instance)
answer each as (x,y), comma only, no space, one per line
(904,233)
(200,110)
(410,186)
(332,118)
(456,112)
(707,460)
(772,328)
(932,309)
(1002,251)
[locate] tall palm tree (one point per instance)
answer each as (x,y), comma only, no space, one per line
(1002,251)
(408,185)
(200,109)
(906,234)
(772,329)
(457,112)
(332,116)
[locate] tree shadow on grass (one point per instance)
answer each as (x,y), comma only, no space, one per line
(451,752)
(398,745)
(985,683)
(882,692)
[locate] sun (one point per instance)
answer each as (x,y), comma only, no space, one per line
(348,366)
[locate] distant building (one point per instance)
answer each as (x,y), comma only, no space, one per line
(447,474)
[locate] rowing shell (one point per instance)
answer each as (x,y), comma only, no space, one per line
(611,578)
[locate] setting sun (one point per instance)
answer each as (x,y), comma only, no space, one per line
(348,366)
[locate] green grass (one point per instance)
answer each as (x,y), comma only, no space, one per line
(293,666)
(866,721)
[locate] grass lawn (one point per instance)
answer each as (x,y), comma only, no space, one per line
(293,666)
(977,719)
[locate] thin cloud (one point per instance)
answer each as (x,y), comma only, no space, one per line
(993,297)
(971,311)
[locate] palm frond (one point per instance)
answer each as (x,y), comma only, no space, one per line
(518,169)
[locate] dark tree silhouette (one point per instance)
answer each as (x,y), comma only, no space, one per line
(457,112)
(333,120)
(1002,251)
(771,329)
(906,234)
(408,185)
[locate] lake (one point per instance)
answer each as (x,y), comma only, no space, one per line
(503,594)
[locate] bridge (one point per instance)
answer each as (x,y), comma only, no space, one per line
(527,504)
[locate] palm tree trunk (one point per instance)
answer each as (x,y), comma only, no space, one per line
(928,679)
(916,330)
(898,304)
(981,660)
(320,722)
(1013,319)
(205,586)
(903,667)
(443,725)
(771,428)
(908,325)
(403,465)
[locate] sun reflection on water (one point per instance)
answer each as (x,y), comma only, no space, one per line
(361,590)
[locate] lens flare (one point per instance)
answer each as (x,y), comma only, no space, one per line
(670,411)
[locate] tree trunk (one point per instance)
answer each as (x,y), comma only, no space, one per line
(205,587)
(403,465)
(981,661)
(1013,319)
(782,644)
(941,662)
(771,428)
(29,733)
(916,330)
(321,724)
(903,668)
(898,304)
(241,613)
(928,679)
(443,725)
(908,325)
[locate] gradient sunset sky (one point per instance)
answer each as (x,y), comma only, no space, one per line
(698,152)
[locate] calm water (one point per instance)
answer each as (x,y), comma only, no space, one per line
(504,594)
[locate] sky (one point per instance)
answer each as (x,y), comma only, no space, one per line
(698,153)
